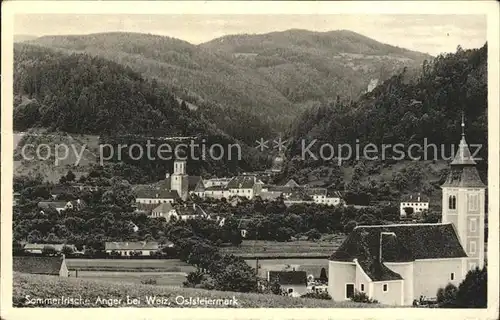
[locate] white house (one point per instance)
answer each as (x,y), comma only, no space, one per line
(217,192)
(128,248)
(247,186)
(417,204)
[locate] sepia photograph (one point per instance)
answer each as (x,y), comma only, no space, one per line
(320,160)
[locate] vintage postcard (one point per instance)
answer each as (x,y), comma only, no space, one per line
(250,160)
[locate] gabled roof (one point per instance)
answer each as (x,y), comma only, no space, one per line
(153,193)
(163,208)
(52,204)
(414,198)
(242,182)
(138,245)
(289,277)
(412,241)
(190,210)
(292,184)
(37,265)
(145,206)
(316,191)
(377,271)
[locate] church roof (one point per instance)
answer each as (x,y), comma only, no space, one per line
(412,241)
(154,193)
(242,182)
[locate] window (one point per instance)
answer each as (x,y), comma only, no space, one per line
(452,202)
(473,202)
(452,276)
(472,247)
(384,287)
(349,290)
(290,290)
(473,225)
(362,288)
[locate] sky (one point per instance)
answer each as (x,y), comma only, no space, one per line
(433,34)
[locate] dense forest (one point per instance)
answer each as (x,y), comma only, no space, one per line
(78,93)
(274,81)
(403,110)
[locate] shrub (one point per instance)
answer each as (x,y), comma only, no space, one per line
(446,298)
(317,295)
(362,297)
(48,251)
(149,281)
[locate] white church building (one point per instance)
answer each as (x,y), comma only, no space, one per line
(396,264)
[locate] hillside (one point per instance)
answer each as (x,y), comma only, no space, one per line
(403,110)
(40,286)
(307,66)
(273,80)
(81,94)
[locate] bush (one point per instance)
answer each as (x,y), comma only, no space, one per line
(317,295)
(49,251)
(362,297)
(471,293)
(446,298)
(149,281)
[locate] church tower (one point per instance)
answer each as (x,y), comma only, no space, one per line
(179,179)
(463,203)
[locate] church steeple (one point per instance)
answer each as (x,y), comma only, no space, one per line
(463,172)
(463,203)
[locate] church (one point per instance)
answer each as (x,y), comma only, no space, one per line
(178,185)
(398,263)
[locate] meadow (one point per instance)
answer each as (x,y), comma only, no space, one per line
(174,279)
(99,293)
(272,249)
(129,265)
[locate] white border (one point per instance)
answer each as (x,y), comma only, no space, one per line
(489,8)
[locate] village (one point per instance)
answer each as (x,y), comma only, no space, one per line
(394,264)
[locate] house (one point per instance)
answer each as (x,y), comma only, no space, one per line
(129,248)
(293,283)
(38,247)
(291,184)
(186,212)
(163,210)
(396,264)
(247,186)
(217,192)
(270,195)
(54,266)
(415,203)
(322,196)
(59,206)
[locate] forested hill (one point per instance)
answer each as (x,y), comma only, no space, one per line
(407,110)
(289,71)
(79,93)
(82,94)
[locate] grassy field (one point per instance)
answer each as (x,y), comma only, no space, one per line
(124,265)
(251,248)
(162,278)
(100,293)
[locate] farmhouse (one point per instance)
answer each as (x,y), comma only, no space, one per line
(293,283)
(129,248)
(411,204)
(55,266)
